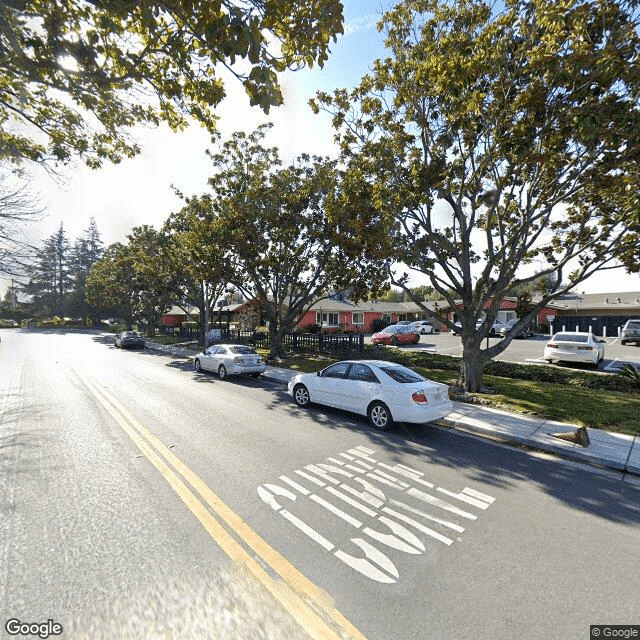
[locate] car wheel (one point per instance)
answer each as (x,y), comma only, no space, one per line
(623,342)
(548,360)
(394,342)
(417,339)
(197,365)
(255,375)
(379,416)
(222,372)
(301,395)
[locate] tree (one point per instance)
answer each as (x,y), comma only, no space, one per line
(198,259)
(149,251)
(111,284)
(85,253)
(76,75)
(487,143)
(285,230)
(49,278)
(18,209)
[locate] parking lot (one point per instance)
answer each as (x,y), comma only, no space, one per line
(527,351)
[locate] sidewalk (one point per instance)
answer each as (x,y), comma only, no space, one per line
(610,450)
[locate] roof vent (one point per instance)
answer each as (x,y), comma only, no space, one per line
(606,300)
(618,300)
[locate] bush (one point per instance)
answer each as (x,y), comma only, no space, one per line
(312,328)
(514,370)
(379,324)
(190,324)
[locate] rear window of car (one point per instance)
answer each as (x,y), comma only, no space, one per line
(570,337)
(243,350)
(402,374)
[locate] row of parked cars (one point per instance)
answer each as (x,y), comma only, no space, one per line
(384,392)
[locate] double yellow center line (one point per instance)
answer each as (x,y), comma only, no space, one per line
(306,603)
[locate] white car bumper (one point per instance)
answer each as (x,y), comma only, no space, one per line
(421,413)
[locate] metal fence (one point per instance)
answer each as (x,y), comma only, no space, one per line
(599,325)
(343,343)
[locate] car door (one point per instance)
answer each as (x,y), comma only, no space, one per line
(359,387)
(327,387)
(406,335)
(219,357)
(206,361)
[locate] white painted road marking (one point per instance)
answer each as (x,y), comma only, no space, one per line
(365,492)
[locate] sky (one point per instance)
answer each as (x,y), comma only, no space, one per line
(139,191)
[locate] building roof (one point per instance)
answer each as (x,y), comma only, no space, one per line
(179,311)
(373,305)
(624,302)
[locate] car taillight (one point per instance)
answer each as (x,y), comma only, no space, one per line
(585,348)
(419,397)
(550,344)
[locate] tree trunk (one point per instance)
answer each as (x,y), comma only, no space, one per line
(470,378)
(275,340)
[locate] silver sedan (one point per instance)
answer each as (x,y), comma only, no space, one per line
(230,359)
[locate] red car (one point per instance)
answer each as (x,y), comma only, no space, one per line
(396,334)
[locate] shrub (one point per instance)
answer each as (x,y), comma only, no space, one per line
(190,324)
(312,328)
(379,324)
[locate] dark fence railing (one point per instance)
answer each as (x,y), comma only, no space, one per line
(343,343)
(598,324)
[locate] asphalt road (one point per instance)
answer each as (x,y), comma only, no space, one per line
(132,489)
(529,350)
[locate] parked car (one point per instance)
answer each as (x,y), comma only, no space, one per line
(492,332)
(385,392)
(396,334)
(230,359)
(423,327)
(405,322)
(525,332)
(574,346)
(129,340)
(630,332)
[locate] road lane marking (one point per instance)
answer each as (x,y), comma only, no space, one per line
(372,486)
(306,602)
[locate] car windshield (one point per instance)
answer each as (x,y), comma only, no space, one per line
(633,324)
(128,334)
(394,328)
(243,350)
(571,337)
(402,374)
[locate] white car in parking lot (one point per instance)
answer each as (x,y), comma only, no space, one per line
(574,346)
(423,327)
(385,392)
(230,359)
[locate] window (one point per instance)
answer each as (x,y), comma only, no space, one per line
(362,373)
(327,318)
(357,318)
(336,370)
(211,350)
(243,350)
(221,350)
(402,374)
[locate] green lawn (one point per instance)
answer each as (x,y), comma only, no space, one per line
(610,410)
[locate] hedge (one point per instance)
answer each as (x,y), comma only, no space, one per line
(539,373)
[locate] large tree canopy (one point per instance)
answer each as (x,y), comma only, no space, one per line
(497,143)
(75,75)
(281,230)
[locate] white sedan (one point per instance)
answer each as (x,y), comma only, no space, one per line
(230,359)
(423,327)
(383,391)
(574,346)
